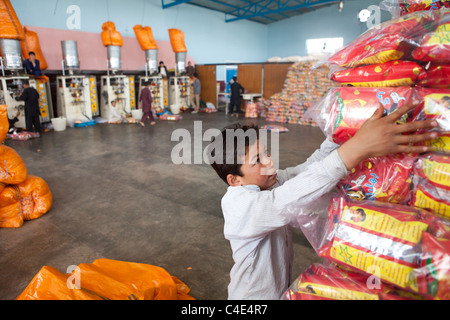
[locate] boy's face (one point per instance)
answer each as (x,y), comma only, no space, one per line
(257,168)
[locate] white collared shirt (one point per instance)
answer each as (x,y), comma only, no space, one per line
(260,234)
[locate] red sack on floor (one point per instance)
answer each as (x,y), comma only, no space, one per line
(437,76)
(12,167)
(435,46)
(35,196)
(344,110)
(434,276)
(4,124)
(369,234)
(390,74)
(384,179)
(10,208)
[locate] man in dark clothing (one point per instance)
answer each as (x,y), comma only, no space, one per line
(235,98)
(32,111)
(146,101)
(32,65)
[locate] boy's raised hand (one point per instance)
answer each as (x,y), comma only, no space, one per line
(380,136)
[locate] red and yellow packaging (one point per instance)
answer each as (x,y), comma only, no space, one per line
(432,198)
(390,74)
(437,76)
(434,275)
(408,6)
(435,105)
(370,234)
(384,179)
(435,46)
(350,107)
(435,168)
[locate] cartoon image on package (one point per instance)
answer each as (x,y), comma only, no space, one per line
(383,178)
(436,106)
(350,107)
(430,197)
(435,46)
(372,234)
(390,74)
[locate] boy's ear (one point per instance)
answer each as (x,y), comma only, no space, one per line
(234,180)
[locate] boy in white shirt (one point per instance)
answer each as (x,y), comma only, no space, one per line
(259,234)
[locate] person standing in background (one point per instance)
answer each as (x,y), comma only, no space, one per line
(195,99)
(32,110)
(162,70)
(32,65)
(190,70)
(235,98)
(145,102)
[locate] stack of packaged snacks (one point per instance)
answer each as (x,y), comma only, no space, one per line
(303,86)
(392,219)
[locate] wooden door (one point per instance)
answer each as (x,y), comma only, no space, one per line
(250,77)
(274,78)
(207,76)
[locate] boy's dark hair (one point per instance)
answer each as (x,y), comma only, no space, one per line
(31,53)
(232,163)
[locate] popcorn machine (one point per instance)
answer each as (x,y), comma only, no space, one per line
(180,84)
(158,85)
(77,98)
(117,90)
(11,81)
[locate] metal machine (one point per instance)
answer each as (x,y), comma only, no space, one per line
(11,84)
(158,85)
(179,85)
(77,98)
(117,90)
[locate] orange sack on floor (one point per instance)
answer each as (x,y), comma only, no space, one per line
(106,279)
(35,196)
(177,40)
(12,168)
(10,209)
(111,37)
(4,124)
(31,43)
(144,36)
(10,27)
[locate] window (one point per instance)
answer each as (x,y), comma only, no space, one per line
(323,46)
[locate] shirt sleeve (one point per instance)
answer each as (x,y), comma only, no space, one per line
(253,214)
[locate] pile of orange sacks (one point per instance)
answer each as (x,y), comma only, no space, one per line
(22,196)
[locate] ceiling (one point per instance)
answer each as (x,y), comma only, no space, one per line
(261,11)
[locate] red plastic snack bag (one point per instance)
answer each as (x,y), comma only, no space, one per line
(390,74)
(384,179)
(427,196)
(347,108)
(435,105)
(391,40)
(367,235)
(322,282)
(434,276)
(435,46)
(437,76)
(435,168)
(408,6)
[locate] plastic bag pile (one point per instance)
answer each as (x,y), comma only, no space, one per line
(106,279)
(386,234)
(301,89)
(22,196)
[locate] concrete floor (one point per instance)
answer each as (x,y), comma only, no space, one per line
(117,195)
